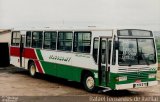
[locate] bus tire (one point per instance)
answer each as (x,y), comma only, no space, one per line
(32,69)
(89,82)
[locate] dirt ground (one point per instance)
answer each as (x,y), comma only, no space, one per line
(15,82)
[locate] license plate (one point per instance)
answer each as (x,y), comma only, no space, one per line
(137,85)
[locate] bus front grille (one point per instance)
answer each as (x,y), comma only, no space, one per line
(135,73)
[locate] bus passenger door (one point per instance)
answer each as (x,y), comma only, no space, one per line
(103,57)
(21,59)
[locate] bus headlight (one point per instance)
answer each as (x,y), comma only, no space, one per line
(152,76)
(121,78)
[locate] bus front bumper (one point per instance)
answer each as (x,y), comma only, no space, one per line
(135,85)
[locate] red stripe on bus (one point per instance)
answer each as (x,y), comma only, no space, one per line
(38,66)
(15,51)
(27,53)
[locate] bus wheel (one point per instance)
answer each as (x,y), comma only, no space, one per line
(89,83)
(32,69)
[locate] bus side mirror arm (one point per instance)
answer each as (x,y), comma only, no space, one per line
(116,45)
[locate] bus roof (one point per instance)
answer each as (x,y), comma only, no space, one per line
(64,29)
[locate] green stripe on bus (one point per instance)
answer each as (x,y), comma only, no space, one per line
(39,54)
(64,71)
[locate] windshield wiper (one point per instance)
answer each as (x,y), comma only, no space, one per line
(144,58)
(130,63)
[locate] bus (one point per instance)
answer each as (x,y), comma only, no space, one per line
(115,59)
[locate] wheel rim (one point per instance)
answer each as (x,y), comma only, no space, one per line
(90,82)
(32,70)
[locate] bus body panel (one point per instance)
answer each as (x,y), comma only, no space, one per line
(69,64)
(53,63)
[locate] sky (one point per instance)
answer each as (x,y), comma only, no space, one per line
(143,14)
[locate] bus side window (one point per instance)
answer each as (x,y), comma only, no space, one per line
(15,38)
(28,38)
(103,51)
(82,42)
(95,49)
(114,53)
(109,53)
(37,39)
(50,40)
(65,41)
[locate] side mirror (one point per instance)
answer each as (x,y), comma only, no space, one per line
(116,45)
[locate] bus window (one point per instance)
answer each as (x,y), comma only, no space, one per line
(65,41)
(128,52)
(28,39)
(82,42)
(95,49)
(104,45)
(37,39)
(50,40)
(146,53)
(103,51)
(135,51)
(109,51)
(15,38)
(114,53)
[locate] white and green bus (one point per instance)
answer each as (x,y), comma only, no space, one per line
(110,58)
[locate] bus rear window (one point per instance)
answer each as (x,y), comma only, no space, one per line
(28,38)
(15,38)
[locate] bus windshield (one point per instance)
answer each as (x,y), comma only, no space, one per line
(136,51)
